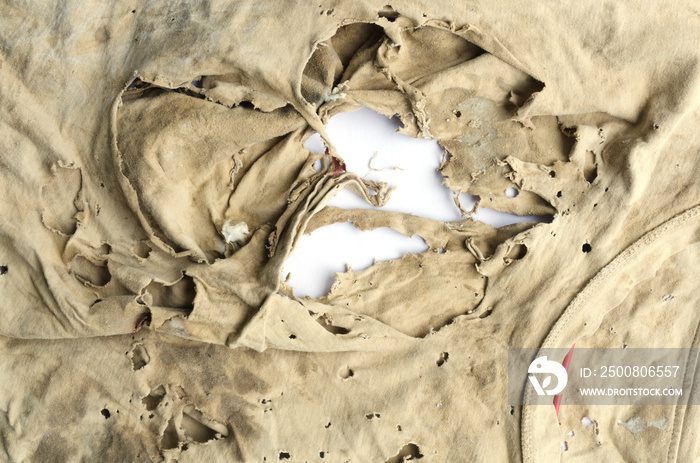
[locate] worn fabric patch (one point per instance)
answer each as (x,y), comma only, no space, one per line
(155,180)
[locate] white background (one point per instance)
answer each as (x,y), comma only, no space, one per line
(410,164)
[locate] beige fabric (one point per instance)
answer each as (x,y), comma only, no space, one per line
(154,181)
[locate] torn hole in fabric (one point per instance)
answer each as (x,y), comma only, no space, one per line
(409,164)
(178,296)
(329,250)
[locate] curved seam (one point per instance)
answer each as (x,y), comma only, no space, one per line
(591,288)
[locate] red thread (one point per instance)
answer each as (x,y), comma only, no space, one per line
(565,364)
